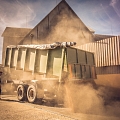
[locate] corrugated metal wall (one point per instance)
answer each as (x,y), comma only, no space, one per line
(107,53)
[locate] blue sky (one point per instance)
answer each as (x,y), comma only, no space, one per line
(103,16)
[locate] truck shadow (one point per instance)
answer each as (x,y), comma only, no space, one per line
(13,98)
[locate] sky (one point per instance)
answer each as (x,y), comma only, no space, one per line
(103,16)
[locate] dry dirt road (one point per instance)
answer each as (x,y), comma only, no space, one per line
(12,109)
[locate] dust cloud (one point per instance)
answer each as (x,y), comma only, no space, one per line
(86,99)
(68,28)
(64,27)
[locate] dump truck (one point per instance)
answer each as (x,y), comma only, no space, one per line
(40,72)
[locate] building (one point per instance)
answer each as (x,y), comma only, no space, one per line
(107,57)
(12,36)
(61,24)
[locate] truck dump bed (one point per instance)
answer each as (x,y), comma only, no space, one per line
(56,60)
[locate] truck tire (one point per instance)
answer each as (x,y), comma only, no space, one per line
(21,93)
(31,94)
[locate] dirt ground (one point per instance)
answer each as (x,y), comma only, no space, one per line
(12,109)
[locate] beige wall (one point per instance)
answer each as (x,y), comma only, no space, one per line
(112,80)
(9,41)
(61,24)
(111,83)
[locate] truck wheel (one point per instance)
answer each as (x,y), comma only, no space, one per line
(31,94)
(21,93)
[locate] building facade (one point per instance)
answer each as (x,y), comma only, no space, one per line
(61,24)
(12,36)
(107,58)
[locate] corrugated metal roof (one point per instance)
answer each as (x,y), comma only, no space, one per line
(101,37)
(16,32)
(107,51)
